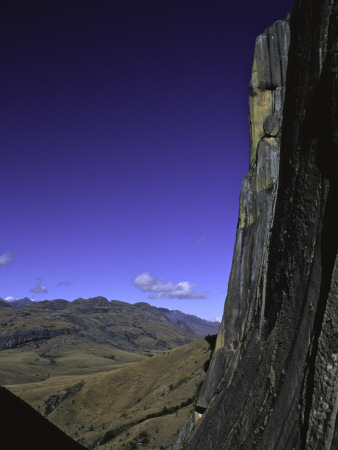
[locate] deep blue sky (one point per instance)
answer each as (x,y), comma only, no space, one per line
(124,141)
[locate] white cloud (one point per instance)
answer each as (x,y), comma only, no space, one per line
(165,289)
(11,299)
(39,288)
(63,283)
(6,258)
(217,319)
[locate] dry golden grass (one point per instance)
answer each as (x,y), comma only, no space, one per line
(145,401)
(83,337)
(60,356)
(111,375)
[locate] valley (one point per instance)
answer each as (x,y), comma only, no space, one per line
(109,374)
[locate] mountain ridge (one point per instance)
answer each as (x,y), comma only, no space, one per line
(105,333)
(56,354)
(199,326)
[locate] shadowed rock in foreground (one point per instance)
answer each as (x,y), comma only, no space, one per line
(23,428)
(273,379)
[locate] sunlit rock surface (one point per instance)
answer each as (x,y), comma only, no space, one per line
(273,379)
(247,286)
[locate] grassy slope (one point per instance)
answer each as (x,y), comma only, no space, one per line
(91,336)
(146,401)
(96,372)
(60,356)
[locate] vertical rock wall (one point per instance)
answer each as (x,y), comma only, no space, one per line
(247,285)
(273,379)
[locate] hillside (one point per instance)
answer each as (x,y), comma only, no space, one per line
(4,304)
(106,373)
(54,338)
(199,326)
(147,402)
(18,303)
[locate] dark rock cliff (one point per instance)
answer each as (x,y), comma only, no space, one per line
(273,379)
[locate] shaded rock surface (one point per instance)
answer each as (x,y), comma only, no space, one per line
(54,400)
(22,427)
(246,297)
(273,379)
(14,338)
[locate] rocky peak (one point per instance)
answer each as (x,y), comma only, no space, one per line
(90,305)
(246,297)
(267,85)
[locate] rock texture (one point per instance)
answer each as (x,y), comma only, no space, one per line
(273,379)
(247,286)
(15,338)
(55,400)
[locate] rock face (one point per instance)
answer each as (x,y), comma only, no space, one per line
(14,338)
(247,286)
(273,379)
(55,400)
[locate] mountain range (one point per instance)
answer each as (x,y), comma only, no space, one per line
(105,335)
(17,302)
(120,376)
(135,368)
